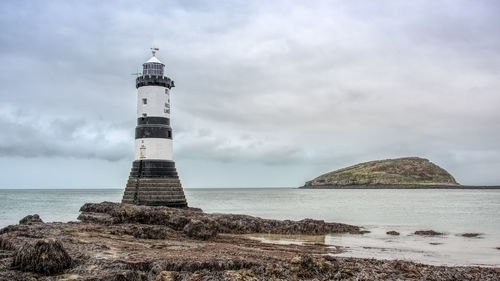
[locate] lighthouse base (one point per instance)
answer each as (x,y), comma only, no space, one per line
(154,183)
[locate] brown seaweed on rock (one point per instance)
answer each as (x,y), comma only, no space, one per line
(44,256)
(114,243)
(471,235)
(200,230)
(177,219)
(31,219)
(428,233)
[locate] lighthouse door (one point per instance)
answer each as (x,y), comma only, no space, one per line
(142,152)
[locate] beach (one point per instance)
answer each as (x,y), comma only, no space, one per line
(452,212)
(126,242)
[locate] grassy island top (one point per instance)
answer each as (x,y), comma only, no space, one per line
(400,171)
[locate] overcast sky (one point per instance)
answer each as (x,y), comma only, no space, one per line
(268,93)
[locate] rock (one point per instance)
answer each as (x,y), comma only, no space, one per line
(150,232)
(306,266)
(178,222)
(7,244)
(166,276)
(471,235)
(302,265)
(392,232)
(44,256)
(402,172)
(31,219)
(100,218)
(121,275)
(364,231)
(110,251)
(177,219)
(295,262)
(428,233)
(240,275)
(200,229)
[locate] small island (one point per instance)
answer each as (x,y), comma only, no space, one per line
(408,172)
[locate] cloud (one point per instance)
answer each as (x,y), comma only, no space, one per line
(203,145)
(29,136)
(321,84)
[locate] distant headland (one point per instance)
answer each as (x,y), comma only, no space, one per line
(404,173)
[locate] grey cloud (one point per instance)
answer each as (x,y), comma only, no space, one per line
(28,136)
(276,83)
(206,144)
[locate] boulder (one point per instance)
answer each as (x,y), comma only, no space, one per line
(31,219)
(428,233)
(471,235)
(44,256)
(199,229)
(166,276)
(151,232)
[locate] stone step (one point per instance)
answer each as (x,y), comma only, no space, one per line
(152,179)
(170,204)
(155,198)
(155,186)
(157,177)
(161,197)
(157,183)
(161,188)
(157,193)
(160,202)
(154,191)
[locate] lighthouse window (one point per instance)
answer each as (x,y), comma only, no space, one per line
(144,115)
(144,101)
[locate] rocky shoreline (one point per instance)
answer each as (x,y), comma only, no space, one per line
(125,242)
(383,186)
(399,186)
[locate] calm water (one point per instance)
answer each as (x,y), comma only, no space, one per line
(450,211)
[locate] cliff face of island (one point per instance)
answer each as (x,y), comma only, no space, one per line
(401,172)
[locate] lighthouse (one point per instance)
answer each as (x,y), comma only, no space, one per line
(154,180)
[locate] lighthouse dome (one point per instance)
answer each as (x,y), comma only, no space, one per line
(153,67)
(154,59)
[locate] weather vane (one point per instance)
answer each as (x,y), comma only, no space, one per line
(154,50)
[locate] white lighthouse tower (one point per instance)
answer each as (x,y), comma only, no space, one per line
(153,179)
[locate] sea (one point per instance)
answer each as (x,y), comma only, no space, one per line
(453,212)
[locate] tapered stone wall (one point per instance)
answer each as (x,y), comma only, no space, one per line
(154,192)
(154,183)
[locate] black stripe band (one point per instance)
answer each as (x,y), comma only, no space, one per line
(153,120)
(149,131)
(147,80)
(153,168)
